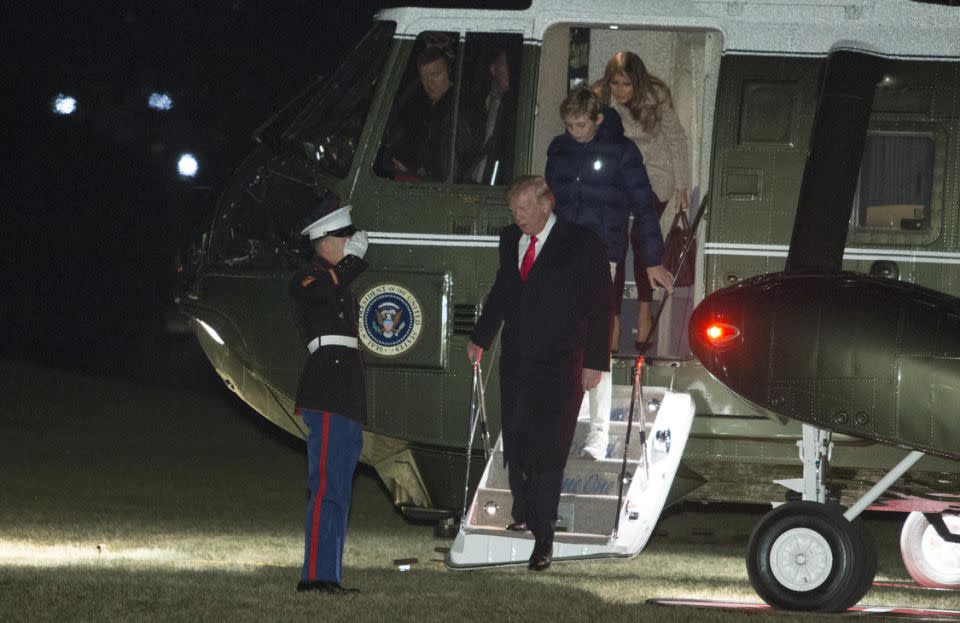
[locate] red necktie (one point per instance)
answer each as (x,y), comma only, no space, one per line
(528,258)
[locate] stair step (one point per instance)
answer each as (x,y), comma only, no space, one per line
(585,522)
(620,402)
(617,435)
(581,477)
(559,537)
(587,514)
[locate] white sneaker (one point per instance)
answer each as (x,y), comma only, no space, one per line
(595,447)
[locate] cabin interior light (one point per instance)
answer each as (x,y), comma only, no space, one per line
(614,27)
(597,165)
(211,332)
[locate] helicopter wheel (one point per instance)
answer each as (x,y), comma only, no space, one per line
(931,561)
(807,556)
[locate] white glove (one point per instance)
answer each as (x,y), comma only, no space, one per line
(356,244)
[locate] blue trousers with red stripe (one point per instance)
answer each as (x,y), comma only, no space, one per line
(333,448)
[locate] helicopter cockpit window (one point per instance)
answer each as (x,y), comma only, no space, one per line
(329,125)
(896,181)
(489,100)
(478,82)
(260,223)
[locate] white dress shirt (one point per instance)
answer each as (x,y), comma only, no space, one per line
(541,240)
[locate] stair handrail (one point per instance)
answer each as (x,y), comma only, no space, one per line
(637,392)
(477,412)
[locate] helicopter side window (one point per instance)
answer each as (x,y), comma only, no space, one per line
(488,102)
(896,181)
(481,79)
(416,145)
(328,127)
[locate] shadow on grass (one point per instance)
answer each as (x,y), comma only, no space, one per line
(267,595)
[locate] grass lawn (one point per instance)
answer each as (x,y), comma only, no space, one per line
(198,514)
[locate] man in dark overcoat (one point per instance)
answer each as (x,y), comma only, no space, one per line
(551,297)
(331,397)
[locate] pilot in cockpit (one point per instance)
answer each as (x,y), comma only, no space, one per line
(419,136)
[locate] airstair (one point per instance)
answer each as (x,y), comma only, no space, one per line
(596,518)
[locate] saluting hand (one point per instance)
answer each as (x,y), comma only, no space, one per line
(356,244)
(591,378)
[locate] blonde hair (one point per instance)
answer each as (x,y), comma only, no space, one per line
(650,93)
(526,183)
(580,101)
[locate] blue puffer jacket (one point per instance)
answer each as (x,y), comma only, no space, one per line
(599,183)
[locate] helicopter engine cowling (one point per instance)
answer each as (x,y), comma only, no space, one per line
(847,352)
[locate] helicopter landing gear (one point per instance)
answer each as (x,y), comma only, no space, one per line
(812,554)
(808,556)
(931,560)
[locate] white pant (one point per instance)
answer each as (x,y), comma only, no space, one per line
(598,402)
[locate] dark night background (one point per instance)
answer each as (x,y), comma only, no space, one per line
(94,209)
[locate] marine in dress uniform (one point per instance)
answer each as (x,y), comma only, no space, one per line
(331,397)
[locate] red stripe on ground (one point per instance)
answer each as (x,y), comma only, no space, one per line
(318,498)
(914,614)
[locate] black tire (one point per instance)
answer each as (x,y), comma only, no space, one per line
(841,556)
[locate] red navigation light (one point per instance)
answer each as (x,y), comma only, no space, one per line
(721,333)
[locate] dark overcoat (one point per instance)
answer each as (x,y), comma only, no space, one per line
(332,379)
(554,324)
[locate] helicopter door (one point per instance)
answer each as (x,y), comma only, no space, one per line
(688,63)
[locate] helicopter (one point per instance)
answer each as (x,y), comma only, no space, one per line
(746,79)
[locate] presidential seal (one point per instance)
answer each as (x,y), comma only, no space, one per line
(390,319)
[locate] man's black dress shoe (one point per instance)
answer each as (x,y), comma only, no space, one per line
(324,587)
(341,590)
(518,526)
(539,562)
(642,347)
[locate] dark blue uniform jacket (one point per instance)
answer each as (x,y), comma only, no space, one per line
(332,378)
(599,183)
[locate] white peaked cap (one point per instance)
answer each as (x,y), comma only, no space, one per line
(338,219)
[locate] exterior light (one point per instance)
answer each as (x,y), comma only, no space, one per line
(491,508)
(211,332)
(188,166)
(64,104)
(721,334)
(160,101)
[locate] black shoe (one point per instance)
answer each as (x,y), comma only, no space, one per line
(324,587)
(342,590)
(518,526)
(642,347)
(320,587)
(540,559)
(539,562)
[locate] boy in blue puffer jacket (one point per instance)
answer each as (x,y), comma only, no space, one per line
(598,179)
